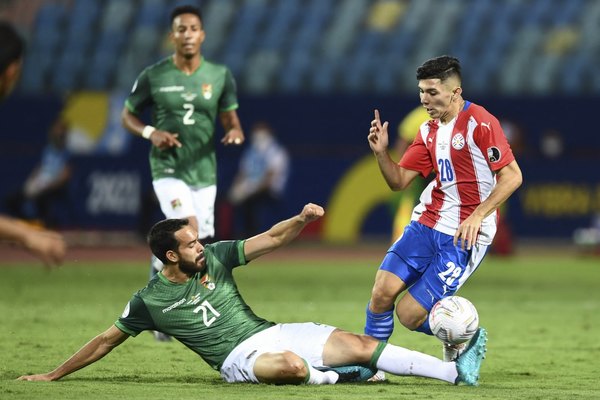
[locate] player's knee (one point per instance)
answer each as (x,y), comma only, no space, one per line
(291,366)
(280,367)
(381,298)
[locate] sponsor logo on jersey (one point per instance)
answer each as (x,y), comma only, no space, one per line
(175,203)
(458,141)
(171,89)
(195,299)
(188,96)
(174,305)
(487,125)
(493,154)
(442,145)
(207,91)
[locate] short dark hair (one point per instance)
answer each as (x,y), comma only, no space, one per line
(161,237)
(186,9)
(12,45)
(441,67)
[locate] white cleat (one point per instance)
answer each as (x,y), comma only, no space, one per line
(378,377)
(452,351)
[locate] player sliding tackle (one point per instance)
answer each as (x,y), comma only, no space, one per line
(195,300)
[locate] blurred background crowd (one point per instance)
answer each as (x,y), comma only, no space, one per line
(314,70)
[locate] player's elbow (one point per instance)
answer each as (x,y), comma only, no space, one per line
(396,187)
(516,179)
(399,184)
(126,118)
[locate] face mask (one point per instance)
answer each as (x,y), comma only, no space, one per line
(552,146)
(261,139)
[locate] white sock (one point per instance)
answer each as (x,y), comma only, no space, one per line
(400,361)
(316,377)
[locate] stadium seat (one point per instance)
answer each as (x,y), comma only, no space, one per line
(305,45)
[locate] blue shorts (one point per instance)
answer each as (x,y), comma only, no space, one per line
(429,264)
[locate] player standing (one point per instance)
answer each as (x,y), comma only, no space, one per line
(455,221)
(186,94)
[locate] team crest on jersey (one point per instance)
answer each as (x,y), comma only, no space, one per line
(175,204)
(207,91)
(493,154)
(207,282)
(458,141)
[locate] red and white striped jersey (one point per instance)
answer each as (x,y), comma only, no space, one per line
(464,153)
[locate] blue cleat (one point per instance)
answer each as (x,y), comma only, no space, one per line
(469,362)
(352,373)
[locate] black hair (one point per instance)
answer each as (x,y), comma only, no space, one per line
(161,237)
(442,67)
(186,9)
(12,45)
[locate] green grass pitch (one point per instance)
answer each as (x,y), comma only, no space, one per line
(542,314)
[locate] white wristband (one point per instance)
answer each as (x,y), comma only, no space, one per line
(148,131)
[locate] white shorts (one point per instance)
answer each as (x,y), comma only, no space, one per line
(306,340)
(178,200)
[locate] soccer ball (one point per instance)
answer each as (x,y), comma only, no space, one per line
(454,320)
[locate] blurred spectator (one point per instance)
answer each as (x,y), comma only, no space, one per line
(47,183)
(261,178)
(515,135)
(552,144)
(589,237)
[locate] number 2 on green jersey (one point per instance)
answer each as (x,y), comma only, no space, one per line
(187,118)
(206,307)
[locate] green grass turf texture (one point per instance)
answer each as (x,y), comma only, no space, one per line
(542,315)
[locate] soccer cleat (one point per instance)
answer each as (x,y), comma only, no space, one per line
(161,337)
(351,373)
(452,351)
(469,362)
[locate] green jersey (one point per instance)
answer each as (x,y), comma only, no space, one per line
(206,314)
(187,105)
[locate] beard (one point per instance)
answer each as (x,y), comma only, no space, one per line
(190,268)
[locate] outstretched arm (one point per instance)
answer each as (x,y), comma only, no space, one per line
(94,350)
(282,233)
(48,246)
(396,177)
